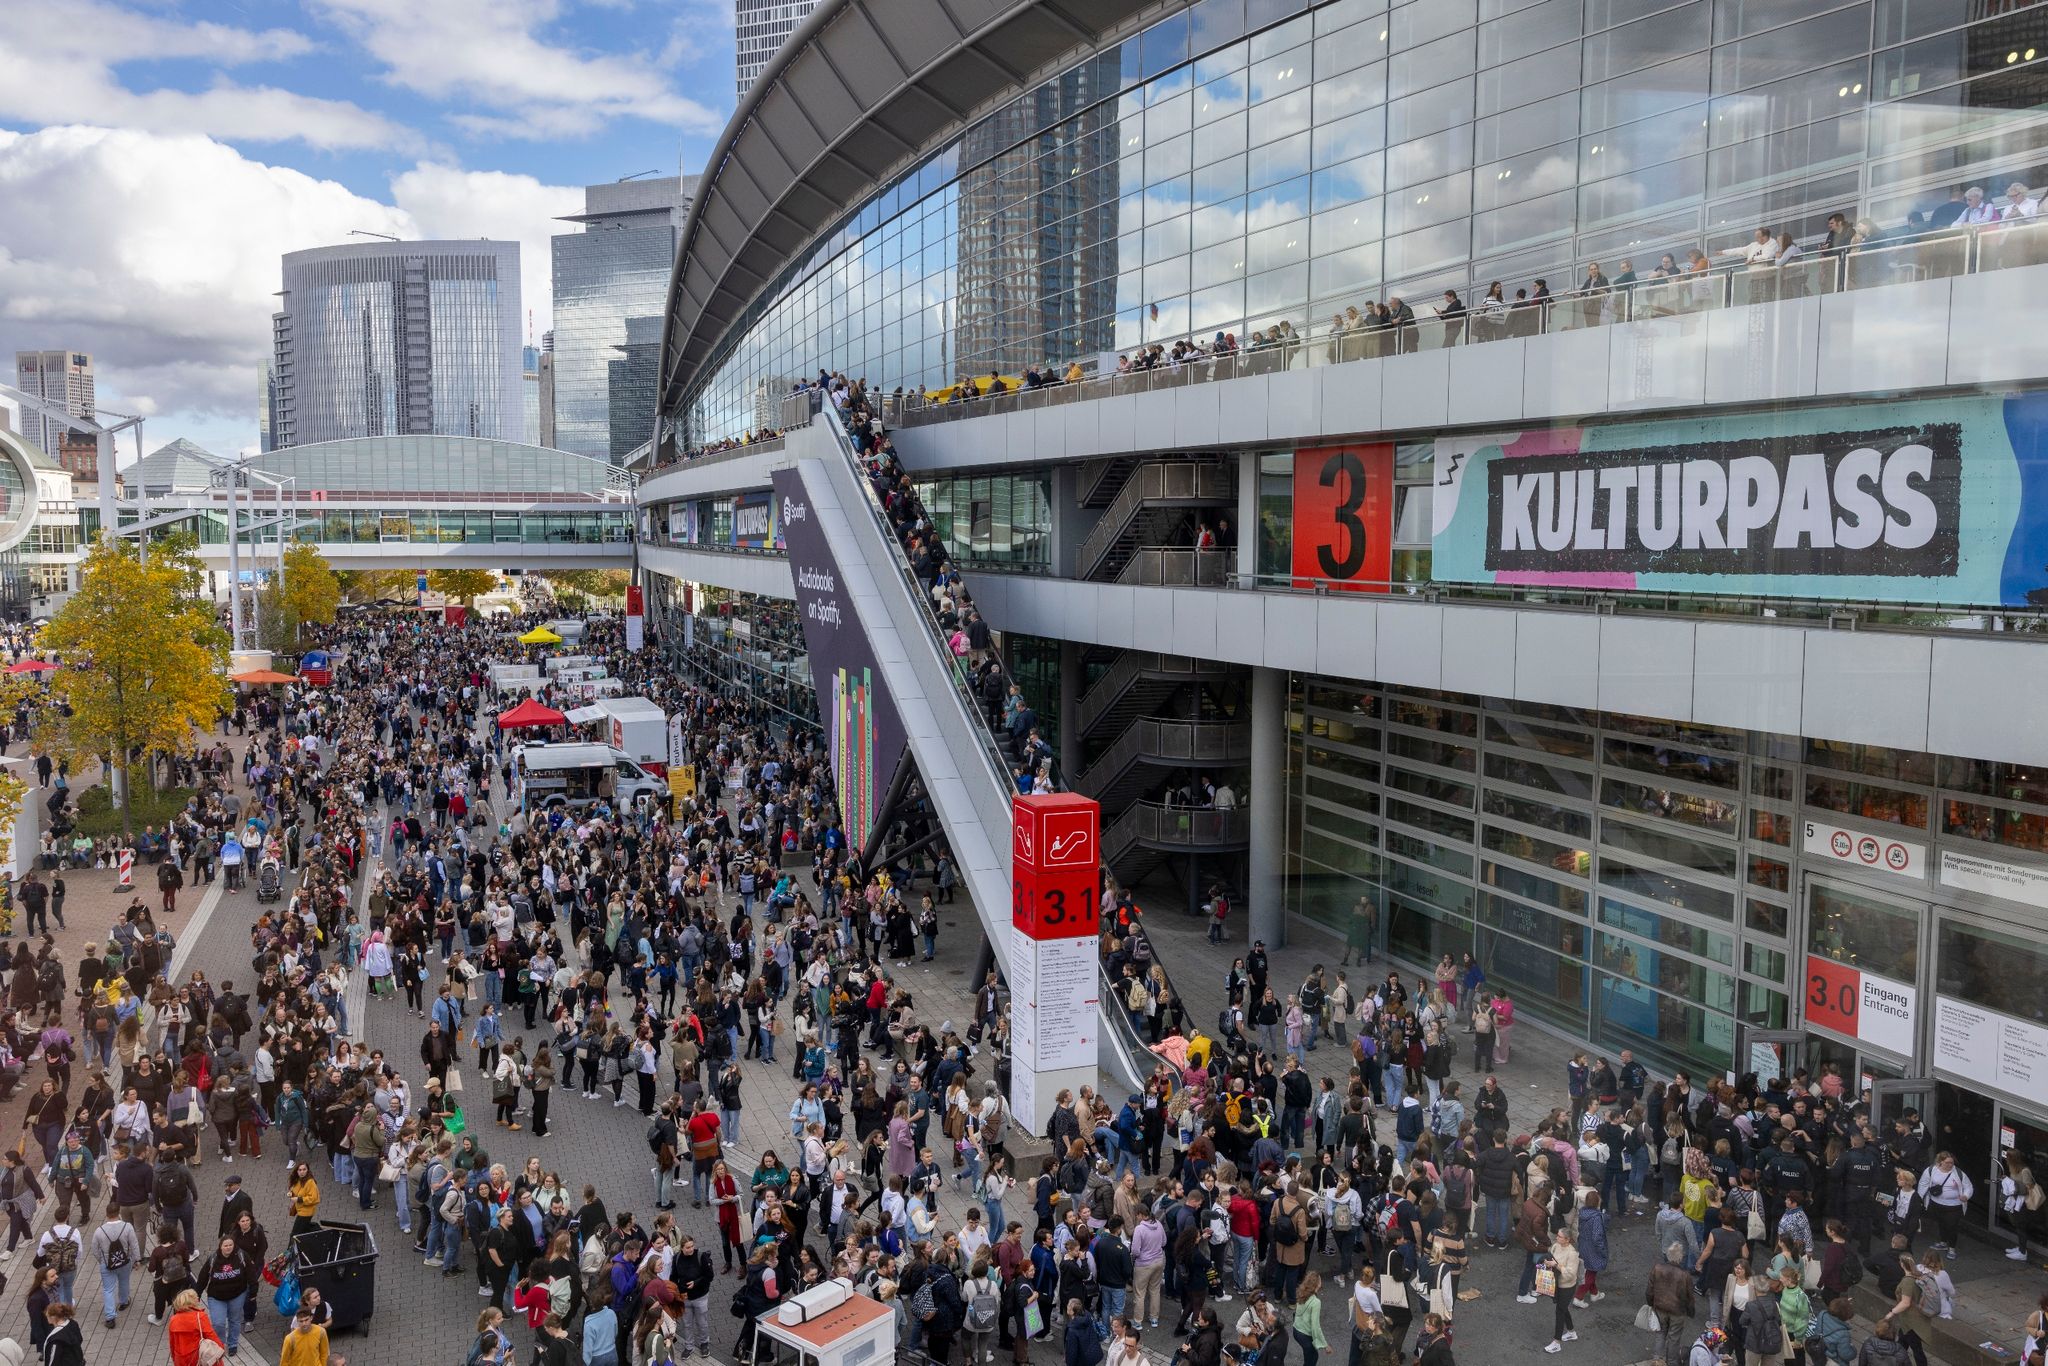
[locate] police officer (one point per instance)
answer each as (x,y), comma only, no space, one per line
(1854,1176)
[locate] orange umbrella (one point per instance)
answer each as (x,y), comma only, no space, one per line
(262,676)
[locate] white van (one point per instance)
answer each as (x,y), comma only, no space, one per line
(574,775)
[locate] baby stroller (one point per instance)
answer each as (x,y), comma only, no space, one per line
(269,879)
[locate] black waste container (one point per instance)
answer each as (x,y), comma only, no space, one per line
(340,1261)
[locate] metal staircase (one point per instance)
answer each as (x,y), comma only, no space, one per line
(1149,833)
(1160,484)
(1136,684)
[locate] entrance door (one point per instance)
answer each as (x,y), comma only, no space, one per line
(1889,1099)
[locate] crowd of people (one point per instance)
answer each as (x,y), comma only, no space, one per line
(1314,1172)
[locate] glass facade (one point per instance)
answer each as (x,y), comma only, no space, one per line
(1001,521)
(608,278)
(1244,162)
(1594,863)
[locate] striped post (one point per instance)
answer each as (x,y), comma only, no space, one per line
(127,869)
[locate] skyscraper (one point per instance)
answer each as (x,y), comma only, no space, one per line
(384,338)
(616,268)
(62,377)
(529,394)
(759,28)
(546,370)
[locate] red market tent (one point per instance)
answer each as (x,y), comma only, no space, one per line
(31,666)
(528,714)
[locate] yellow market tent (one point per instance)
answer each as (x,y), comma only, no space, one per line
(540,635)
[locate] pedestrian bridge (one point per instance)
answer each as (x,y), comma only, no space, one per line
(393,502)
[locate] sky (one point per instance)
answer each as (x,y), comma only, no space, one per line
(157,157)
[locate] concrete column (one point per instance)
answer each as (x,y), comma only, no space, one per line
(1248,525)
(1267,797)
(1070,707)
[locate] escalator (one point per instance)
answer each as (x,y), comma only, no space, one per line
(962,761)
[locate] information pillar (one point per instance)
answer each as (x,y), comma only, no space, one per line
(1055,983)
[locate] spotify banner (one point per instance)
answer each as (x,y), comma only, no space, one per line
(1937,501)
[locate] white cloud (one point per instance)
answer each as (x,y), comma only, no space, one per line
(160,253)
(496,56)
(58,65)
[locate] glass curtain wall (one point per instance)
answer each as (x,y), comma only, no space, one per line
(1244,162)
(1601,867)
(996,521)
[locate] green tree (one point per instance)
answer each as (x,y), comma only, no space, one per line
(463,585)
(146,657)
(590,583)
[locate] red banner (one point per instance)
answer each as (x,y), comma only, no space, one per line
(1833,994)
(1344,517)
(636,602)
(454,614)
(1055,865)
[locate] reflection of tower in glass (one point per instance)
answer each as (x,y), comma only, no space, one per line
(853,751)
(1037,245)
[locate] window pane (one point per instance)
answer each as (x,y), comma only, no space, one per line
(1790,50)
(1430,110)
(1830,93)
(1993,969)
(1528,31)
(1431,64)
(1535,125)
(1646,42)
(1430,157)
(1644,93)
(1528,79)
(1857,928)
(1646,192)
(1414,24)
(1419,206)
(1705,813)
(1524,224)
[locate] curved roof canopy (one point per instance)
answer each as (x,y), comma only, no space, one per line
(858,90)
(433,464)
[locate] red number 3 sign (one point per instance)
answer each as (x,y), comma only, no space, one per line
(1344,516)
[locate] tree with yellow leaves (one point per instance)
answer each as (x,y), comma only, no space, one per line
(310,594)
(463,585)
(146,660)
(368,585)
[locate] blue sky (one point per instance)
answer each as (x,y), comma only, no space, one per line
(173,149)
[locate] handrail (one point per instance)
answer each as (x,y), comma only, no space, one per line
(1179,826)
(1169,566)
(1129,665)
(1172,740)
(1932,255)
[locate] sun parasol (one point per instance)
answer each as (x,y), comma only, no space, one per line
(31,666)
(262,676)
(540,635)
(530,713)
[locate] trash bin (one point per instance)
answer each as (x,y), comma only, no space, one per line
(340,1261)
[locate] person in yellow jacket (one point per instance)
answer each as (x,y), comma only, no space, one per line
(306,1343)
(305,1199)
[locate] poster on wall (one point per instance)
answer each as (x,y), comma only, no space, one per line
(1861,849)
(863,733)
(753,521)
(1860,1005)
(1942,500)
(1344,517)
(1991,1048)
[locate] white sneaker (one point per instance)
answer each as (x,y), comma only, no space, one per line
(1596,1297)
(9,1256)
(484,1291)
(2016,1254)
(430,1261)
(1552,1347)
(1569,1336)
(1525,1299)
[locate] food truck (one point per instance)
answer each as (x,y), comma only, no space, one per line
(638,727)
(574,776)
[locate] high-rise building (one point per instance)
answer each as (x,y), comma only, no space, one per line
(615,268)
(529,394)
(759,28)
(266,403)
(382,338)
(630,376)
(63,377)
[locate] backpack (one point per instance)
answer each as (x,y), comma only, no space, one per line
(1285,1234)
(64,1253)
(1852,1268)
(174,1269)
(1386,1221)
(171,1186)
(117,1254)
(924,1304)
(1457,1188)
(983,1310)
(1769,1336)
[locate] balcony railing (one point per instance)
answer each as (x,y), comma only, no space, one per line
(1930,256)
(1176,567)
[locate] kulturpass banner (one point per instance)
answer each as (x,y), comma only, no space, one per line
(1936,501)
(863,733)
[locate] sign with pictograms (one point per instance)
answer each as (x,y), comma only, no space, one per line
(1860,1005)
(1862,849)
(1344,517)
(1055,918)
